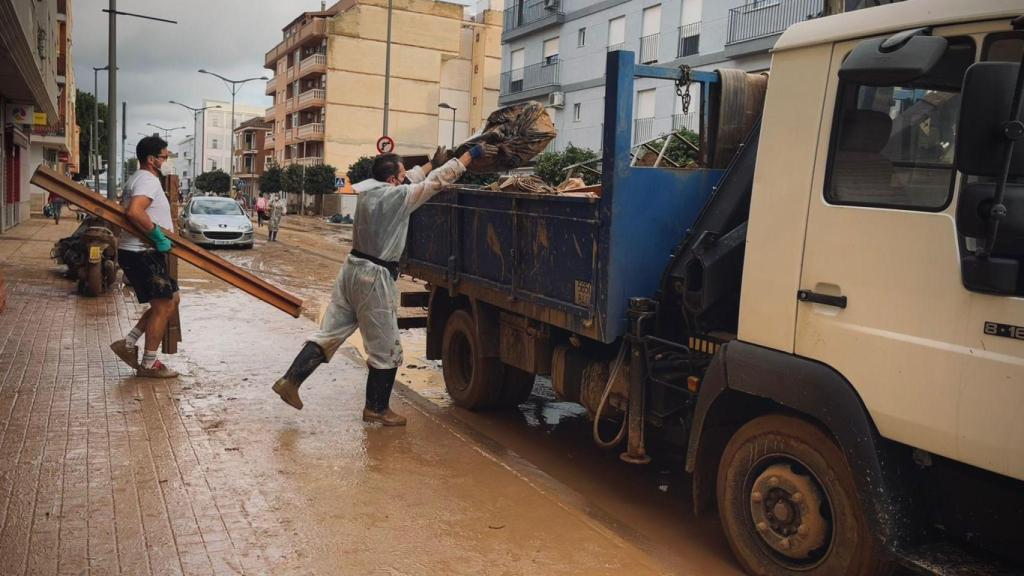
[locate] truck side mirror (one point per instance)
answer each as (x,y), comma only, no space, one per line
(990,211)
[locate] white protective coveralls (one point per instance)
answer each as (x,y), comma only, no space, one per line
(364,294)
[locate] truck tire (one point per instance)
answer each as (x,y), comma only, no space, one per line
(516,386)
(789,506)
(473,381)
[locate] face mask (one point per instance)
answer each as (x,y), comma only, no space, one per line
(406,180)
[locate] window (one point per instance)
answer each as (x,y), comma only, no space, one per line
(893,146)
(550,51)
(576,112)
(581,37)
(215,120)
(1003,47)
(213,164)
(616,32)
(516,71)
(213,144)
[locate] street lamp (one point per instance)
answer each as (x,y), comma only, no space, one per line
(195,130)
(447,106)
(167,131)
(94,157)
(234,86)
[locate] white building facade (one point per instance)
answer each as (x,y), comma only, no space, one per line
(214,149)
(555,51)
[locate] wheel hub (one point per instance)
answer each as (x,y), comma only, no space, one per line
(786,509)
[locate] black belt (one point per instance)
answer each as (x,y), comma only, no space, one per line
(392,267)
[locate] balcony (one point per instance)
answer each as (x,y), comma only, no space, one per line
(316,63)
(689,40)
(316,28)
(268,141)
(309,161)
(763,18)
(269,112)
(529,78)
(649,48)
(617,46)
(289,105)
(643,130)
(271,86)
(526,16)
(311,98)
(689,122)
(313,131)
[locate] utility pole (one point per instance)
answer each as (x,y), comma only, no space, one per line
(387,73)
(195,133)
(94,152)
(112,13)
(124,137)
(234,86)
(112,99)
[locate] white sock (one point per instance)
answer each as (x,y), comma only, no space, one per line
(133,337)
(148,359)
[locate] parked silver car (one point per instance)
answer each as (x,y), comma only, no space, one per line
(216,221)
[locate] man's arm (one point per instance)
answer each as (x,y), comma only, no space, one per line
(137,213)
(418,173)
(420,193)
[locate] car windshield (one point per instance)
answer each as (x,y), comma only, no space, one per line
(218,207)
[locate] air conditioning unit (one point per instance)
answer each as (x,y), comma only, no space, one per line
(551,4)
(556,99)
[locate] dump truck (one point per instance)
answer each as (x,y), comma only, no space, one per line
(825,319)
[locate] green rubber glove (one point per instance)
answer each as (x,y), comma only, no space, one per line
(162,243)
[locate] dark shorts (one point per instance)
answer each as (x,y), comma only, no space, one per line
(147,273)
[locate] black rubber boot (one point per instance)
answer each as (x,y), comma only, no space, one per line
(378,398)
(287,387)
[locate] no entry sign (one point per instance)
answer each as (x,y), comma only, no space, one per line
(385,145)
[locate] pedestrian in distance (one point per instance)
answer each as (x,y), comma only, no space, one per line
(275,211)
(56,205)
(261,209)
(364,294)
(145,262)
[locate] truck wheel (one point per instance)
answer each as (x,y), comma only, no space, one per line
(789,506)
(515,387)
(472,380)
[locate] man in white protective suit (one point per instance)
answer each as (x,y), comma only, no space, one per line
(364,294)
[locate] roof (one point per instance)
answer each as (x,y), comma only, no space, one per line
(892,18)
(257,123)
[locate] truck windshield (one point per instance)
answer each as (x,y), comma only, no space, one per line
(894,146)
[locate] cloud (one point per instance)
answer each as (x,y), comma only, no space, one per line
(158,62)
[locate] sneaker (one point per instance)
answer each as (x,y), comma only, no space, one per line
(288,392)
(387,417)
(157,371)
(129,354)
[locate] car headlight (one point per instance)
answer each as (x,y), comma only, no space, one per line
(197,226)
(247,228)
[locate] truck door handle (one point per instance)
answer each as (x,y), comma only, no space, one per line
(809,296)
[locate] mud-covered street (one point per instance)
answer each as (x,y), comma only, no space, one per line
(103,472)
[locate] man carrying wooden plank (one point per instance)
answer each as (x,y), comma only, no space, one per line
(364,295)
(145,263)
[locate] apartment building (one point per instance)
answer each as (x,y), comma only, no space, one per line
(252,156)
(54,140)
(30,35)
(329,71)
(214,151)
(554,51)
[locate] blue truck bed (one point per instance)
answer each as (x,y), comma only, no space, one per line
(568,261)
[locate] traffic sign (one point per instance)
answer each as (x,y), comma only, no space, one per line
(385,145)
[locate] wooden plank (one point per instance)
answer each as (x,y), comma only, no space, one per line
(173,333)
(185,249)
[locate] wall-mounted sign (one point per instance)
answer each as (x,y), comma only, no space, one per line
(20,114)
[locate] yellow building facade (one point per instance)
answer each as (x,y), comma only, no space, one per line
(329,77)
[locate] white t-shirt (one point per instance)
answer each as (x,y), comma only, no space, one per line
(143,183)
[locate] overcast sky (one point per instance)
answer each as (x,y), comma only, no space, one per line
(158,62)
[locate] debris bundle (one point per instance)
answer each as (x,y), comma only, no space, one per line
(520,132)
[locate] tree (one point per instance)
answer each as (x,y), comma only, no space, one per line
(360,170)
(678,151)
(291,180)
(474,179)
(320,179)
(216,181)
(133,166)
(551,166)
(271,181)
(85,107)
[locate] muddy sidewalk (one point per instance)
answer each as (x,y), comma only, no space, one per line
(210,473)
